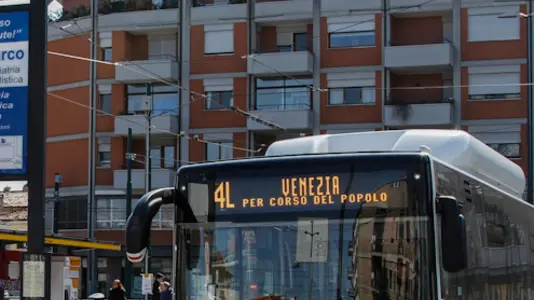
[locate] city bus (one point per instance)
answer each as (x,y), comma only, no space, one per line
(407,214)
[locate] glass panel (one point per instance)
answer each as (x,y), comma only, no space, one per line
(169,161)
(227,98)
(353,95)
(118,213)
(301,41)
(104,159)
(270,99)
(134,103)
(336,96)
(368,95)
(353,39)
(165,104)
(155,158)
(297,98)
(263,83)
(105,103)
(103,217)
(226,150)
(299,82)
(508,150)
(107,54)
(212,151)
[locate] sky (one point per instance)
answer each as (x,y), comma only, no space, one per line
(15,185)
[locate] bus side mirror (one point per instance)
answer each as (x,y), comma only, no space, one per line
(453,235)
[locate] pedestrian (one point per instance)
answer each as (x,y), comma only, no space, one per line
(156,286)
(165,293)
(117,291)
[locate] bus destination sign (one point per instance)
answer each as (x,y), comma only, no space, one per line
(291,194)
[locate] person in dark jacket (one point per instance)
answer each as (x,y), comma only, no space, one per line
(156,285)
(165,293)
(117,291)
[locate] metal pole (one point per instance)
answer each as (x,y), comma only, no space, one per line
(148,166)
(92,261)
(57,182)
(36,137)
(128,264)
(530,131)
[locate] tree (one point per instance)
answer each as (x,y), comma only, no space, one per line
(7,188)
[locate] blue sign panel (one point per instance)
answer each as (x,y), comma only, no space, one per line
(14,36)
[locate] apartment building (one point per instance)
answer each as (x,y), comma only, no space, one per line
(308,66)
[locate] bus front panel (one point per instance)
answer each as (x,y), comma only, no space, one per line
(322,227)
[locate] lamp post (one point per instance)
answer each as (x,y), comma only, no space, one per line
(530,94)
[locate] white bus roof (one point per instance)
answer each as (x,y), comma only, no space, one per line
(454,147)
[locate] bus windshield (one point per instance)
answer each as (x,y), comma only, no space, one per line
(311,229)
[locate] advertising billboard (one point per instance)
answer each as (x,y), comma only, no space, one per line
(14,40)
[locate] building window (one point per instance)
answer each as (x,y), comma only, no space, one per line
(351,31)
(219,39)
(352,39)
(510,150)
(104,103)
(486,24)
(164,99)
(219,100)
(112,213)
(494,83)
(162,46)
(352,95)
(288,42)
(505,139)
(104,152)
(162,157)
(283,93)
(221,150)
(72,213)
(107,54)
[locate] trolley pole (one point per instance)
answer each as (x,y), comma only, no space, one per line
(129,158)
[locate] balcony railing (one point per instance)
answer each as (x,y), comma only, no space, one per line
(107,7)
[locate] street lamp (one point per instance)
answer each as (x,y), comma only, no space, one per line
(530,94)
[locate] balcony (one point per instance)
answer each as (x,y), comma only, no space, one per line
(431,113)
(298,116)
(274,63)
(119,15)
(143,71)
(160,178)
(138,122)
(401,56)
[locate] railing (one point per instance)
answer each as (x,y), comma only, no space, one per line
(416,42)
(107,7)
